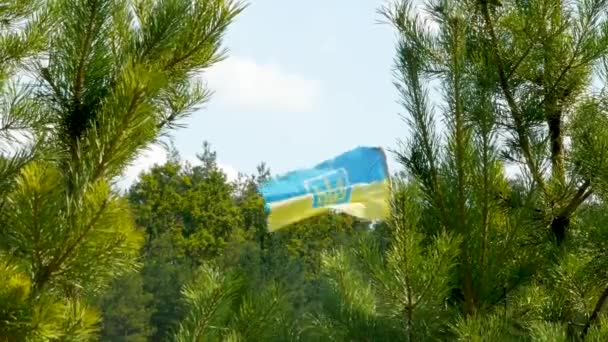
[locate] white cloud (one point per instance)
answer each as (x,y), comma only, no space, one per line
(231,173)
(157,155)
(242,83)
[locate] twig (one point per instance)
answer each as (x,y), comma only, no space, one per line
(581,195)
(521,59)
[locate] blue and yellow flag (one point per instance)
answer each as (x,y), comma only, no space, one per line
(355,183)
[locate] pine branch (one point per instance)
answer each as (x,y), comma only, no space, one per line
(581,195)
(222,17)
(520,60)
(179,59)
(460,142)
(409,306)
(596,311)
(414,53)
(484,213)
(46,76)
(162,34)
(553,113)
(431,281)
(36,233)
(418,111)
(84,48)
(205,300)
(116,140)
(522,134)
(42,278)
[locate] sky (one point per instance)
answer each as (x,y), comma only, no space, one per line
(303,82)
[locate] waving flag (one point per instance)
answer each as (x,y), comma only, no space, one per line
(355,183)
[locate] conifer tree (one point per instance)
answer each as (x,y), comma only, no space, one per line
(220,308)
(395,294)
(113,77)
(518,88)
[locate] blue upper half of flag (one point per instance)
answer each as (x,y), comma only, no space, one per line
(330,181)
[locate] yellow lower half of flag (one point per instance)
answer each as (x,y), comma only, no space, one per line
(368,201)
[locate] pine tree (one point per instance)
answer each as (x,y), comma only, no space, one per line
(114,76)
(517,87)
(393,294)
(222,309)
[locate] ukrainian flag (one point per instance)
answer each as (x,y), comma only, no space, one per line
(355,183)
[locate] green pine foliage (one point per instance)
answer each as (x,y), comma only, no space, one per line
(105,79)
(472,250)
(398,294)
(516,84)
(222,309)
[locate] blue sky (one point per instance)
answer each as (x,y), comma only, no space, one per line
(304,81)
